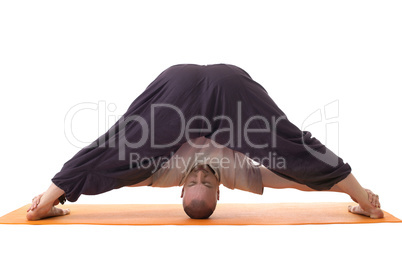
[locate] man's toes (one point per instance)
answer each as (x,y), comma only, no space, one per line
(374,213)
(352,208)
(358,210)
(60,212)
(66,211)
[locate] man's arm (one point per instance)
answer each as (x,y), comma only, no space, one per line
(146,182)
(271,180)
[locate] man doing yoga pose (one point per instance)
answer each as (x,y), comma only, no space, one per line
(199,126)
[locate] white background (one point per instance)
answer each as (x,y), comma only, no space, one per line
(306,54)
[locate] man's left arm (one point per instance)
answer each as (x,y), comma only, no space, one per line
(271,180)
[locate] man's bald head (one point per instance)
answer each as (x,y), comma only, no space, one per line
(198,209)
(200,192)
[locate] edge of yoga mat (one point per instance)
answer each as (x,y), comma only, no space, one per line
(225,214)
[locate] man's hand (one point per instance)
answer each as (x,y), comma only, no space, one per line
(373,199)
(36,201)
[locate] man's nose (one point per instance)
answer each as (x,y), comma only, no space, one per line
(200,174)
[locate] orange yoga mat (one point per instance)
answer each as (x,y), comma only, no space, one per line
(225,214)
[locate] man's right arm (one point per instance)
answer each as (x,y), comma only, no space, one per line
(146,182)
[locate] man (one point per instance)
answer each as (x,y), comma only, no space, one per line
(216,110)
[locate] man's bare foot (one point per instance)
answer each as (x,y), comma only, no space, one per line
(369,203)
(371,209)
(39,211)
(374,213)
(39,214)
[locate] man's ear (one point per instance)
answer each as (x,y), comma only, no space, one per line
(182,192)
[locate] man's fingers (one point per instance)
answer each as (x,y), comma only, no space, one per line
(373,198)
(35,202)
(32,207)
(377,201)
(370,196)
(38,199)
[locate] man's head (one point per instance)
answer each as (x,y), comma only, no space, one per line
(200,192)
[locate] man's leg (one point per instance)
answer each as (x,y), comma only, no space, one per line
(369,204)
(43,206)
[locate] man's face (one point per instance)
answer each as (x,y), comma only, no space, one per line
(201,185)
